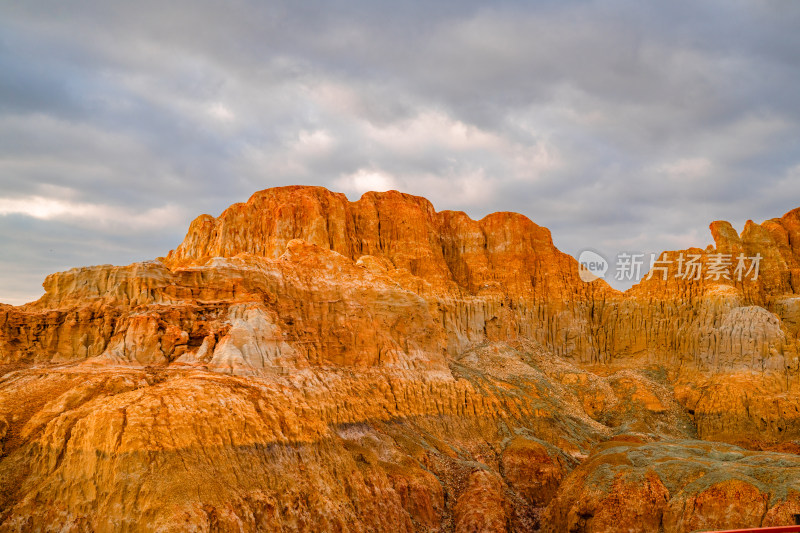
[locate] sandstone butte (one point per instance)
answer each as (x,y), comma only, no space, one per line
(307,363)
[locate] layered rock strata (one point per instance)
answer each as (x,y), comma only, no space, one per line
(306,362)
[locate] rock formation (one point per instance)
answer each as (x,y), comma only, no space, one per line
(303,362)
(677,486)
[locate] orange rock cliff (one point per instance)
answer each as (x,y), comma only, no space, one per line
(307,363)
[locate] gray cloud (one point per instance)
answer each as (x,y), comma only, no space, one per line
(617,124)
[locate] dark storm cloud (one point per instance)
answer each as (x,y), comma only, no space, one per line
(618,124)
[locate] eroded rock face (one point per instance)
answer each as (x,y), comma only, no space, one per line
(533,469)
(110,449)
(302,362)
(678,486)
(482,505)
(306,254)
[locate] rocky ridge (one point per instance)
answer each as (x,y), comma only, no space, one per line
(302,361)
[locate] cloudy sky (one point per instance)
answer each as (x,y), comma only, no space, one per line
(620,125)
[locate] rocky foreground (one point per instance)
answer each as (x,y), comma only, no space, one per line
(306,363)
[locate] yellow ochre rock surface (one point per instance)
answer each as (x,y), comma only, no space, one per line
(307,363)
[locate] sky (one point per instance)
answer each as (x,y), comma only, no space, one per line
(620,125)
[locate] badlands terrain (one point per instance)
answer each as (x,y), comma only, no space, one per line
(307,363)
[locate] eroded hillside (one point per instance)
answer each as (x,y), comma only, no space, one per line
(302,362)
